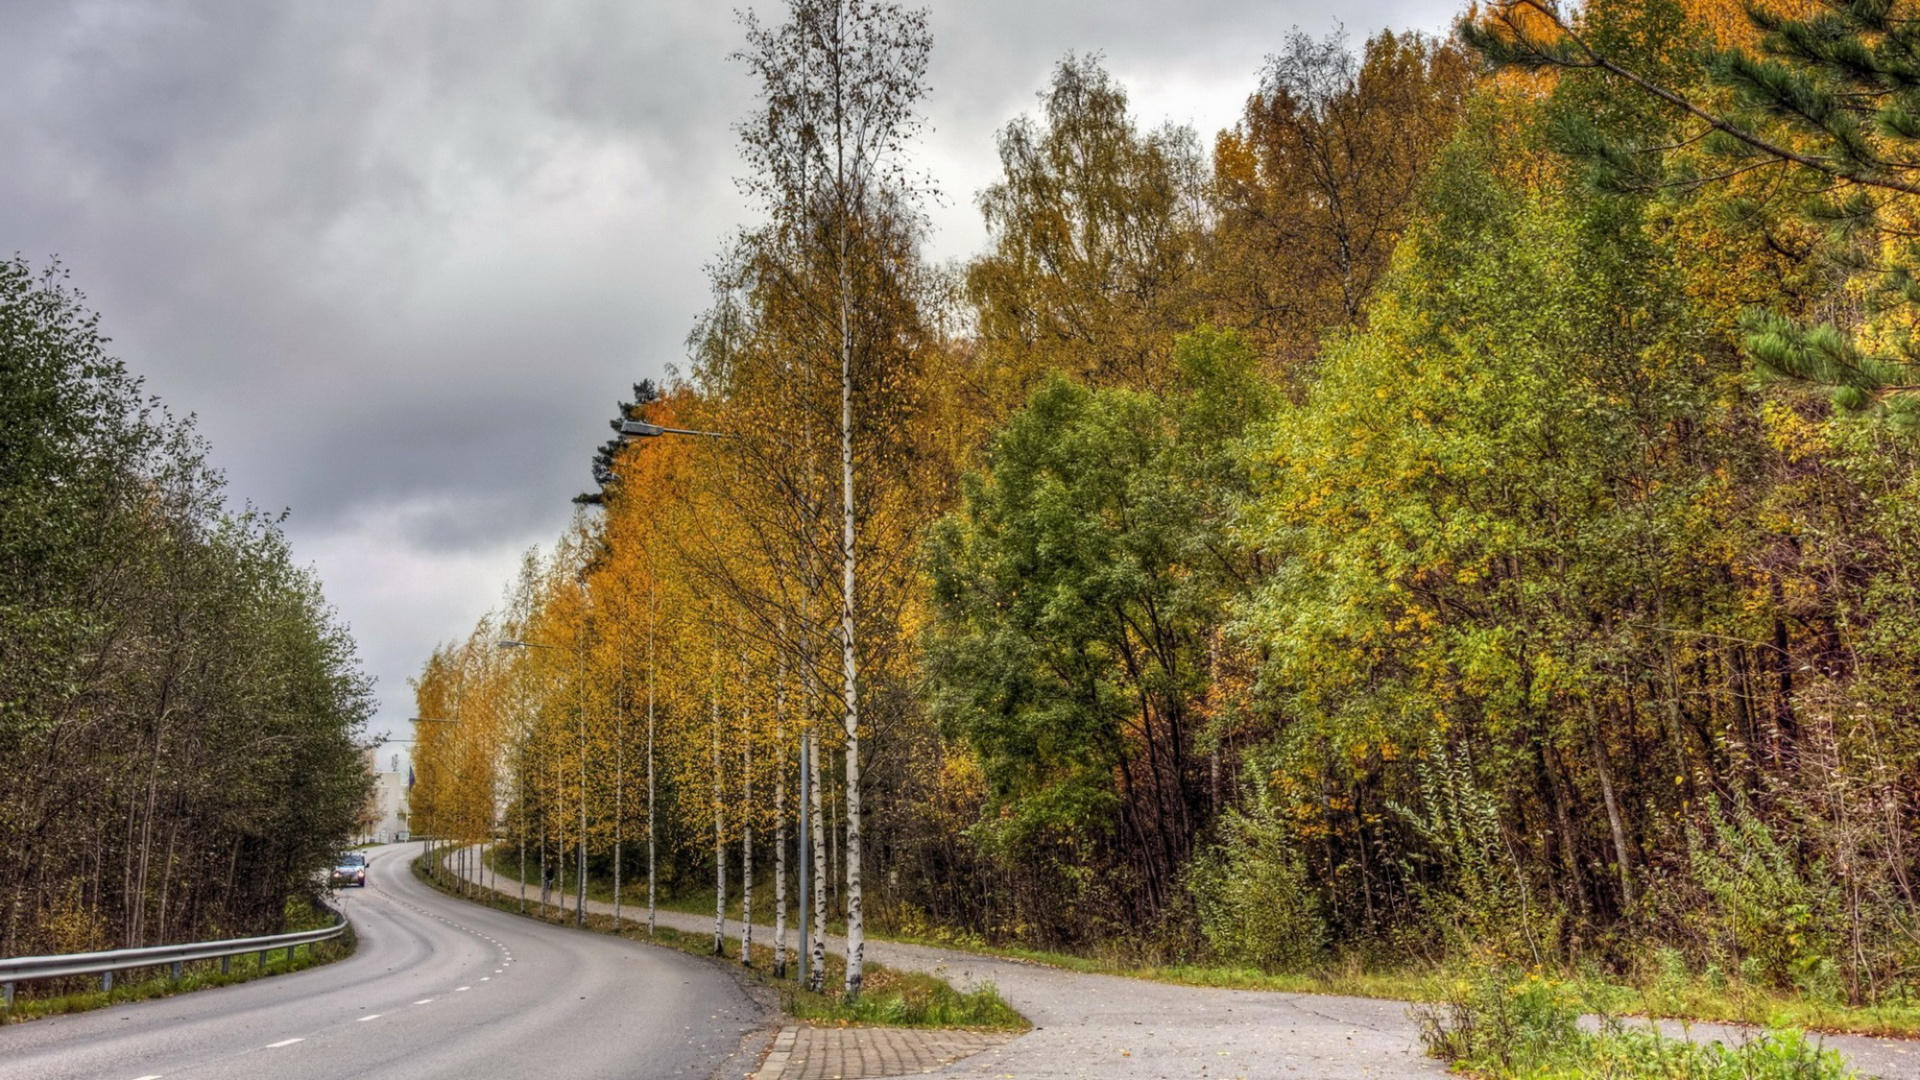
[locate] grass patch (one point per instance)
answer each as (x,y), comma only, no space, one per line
(142,984)
(1500,1023)
(888,998)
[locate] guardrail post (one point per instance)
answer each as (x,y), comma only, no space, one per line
(176,971)
(106,981)
(226,965)
(6,991)
(263,961)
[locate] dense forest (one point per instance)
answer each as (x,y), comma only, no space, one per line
(1471,506)
(180,712)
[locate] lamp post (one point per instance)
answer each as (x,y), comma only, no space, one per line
(580,697)
(640,429)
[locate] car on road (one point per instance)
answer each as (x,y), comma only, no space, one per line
(350,870)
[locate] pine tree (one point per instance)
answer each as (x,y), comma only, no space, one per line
(1830,104)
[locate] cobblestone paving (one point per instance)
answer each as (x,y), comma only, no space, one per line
(810,1053)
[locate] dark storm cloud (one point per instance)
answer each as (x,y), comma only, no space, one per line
(402,257)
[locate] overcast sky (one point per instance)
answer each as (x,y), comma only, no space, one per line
(401,257)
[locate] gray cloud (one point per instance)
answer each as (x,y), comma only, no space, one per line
(401,257)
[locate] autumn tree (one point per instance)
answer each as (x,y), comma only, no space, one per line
(840,83)
(1095,231)
(1314,186)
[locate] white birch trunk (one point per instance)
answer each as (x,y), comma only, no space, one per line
(780,822)
(619,786)
(746,854)
(818,972)
(719,845)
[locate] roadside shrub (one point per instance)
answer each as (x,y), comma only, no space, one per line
(1498,1016)
(1481,904)
(1251,890)
(1776,919)
(1501,1022)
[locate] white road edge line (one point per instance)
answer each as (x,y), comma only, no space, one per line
(285,1042)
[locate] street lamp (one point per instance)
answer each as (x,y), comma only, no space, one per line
(628,428)
(580,900)
(642,430)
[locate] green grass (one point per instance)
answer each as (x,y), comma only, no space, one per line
(888,998)
(158,982)
(1501,1023)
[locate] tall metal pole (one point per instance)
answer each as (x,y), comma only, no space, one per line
(580,899)
(523,824)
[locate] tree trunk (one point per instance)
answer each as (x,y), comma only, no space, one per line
(619,784)
(1622,862)
(780,823)
(652,847)
(746,852)
(818,972)
(719,844)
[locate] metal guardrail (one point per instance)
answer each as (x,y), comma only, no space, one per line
(104,964)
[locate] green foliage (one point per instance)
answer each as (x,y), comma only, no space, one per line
(1778,915)
(1256,903)
(1499,1021)
(1077,590)
(1479,900)
(177,701)
(1501,1018)
(1824,106)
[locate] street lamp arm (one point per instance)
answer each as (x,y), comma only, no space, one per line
(643,430)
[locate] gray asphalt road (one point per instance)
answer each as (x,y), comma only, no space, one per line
(438,988)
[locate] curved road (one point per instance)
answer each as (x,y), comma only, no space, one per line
(437,988)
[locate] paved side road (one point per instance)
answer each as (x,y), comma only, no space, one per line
(437,988)
(1102,1026)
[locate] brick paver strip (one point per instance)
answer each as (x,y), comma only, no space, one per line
(1104,1027)
(810,1053)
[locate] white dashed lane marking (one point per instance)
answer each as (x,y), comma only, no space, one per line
(370,1016)
(423,1001)
(284,1042)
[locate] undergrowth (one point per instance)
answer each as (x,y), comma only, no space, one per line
(1499,1022)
